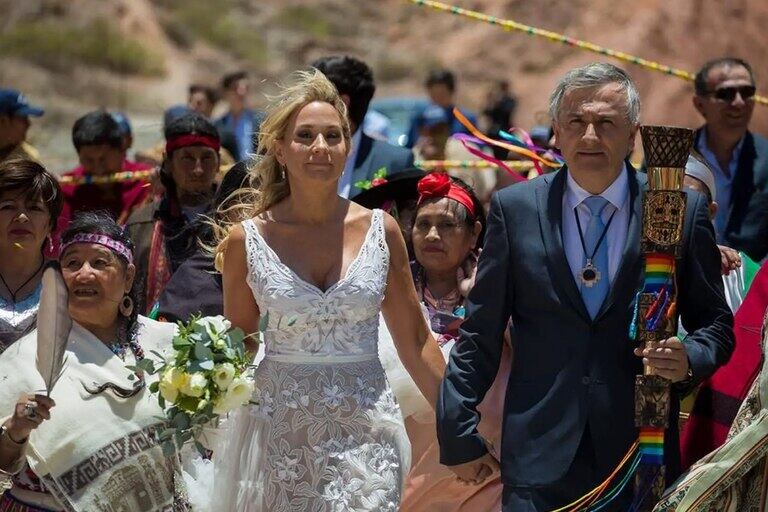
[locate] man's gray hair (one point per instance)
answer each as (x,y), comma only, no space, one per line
(595,75)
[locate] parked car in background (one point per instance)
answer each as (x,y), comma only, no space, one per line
(399,110)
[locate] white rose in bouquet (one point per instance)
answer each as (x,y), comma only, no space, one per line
(223,375)
(195,385)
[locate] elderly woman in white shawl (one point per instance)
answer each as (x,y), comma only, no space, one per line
(91,445)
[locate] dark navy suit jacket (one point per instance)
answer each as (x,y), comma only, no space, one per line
(372,155)
(568,369)
(747,227)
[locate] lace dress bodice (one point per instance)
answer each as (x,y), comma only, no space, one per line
(325,433)
(304,322)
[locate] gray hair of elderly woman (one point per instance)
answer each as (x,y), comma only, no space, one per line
(595,75)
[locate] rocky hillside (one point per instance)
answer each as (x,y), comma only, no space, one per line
(139,55)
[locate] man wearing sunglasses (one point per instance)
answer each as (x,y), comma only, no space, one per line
(725,97)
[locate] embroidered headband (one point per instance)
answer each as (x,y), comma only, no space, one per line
(183,141)
(104,240)
(438,185)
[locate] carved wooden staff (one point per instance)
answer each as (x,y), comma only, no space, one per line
(666,152)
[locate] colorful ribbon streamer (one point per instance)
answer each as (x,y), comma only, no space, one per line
(108,178)
(519,165)
(561,38)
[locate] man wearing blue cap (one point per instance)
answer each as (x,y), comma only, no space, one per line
(15,112)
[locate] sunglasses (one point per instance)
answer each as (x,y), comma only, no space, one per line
(747,92)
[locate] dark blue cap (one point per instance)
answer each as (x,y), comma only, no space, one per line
(434,115)
(123,122)
(13,103)
(174,113)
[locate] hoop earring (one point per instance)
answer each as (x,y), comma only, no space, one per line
(283,172)
(126,306)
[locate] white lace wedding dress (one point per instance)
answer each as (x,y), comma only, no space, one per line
(327,434)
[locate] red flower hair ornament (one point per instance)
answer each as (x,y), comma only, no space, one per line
(436,185)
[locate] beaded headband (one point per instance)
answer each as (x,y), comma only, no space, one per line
(104,240)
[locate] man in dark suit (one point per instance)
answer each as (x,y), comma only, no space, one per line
(569,412)
(725,97)
(354,81)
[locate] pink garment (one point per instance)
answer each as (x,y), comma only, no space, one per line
(430,486)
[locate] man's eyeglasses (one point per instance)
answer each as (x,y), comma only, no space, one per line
(728,94)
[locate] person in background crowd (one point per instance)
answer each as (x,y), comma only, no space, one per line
(155,155)
(447,235)
(240,119)
(125,129)
(92,445)
(725,98)
(202,99)
(15,112)
(99,144)
(718,398)
(166,231)
(441,89)
(367,156)
(30,203)
(195,287)
(435,142)
(500,110)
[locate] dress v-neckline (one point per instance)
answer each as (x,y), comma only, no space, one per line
(303,281)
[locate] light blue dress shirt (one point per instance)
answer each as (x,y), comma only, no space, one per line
(617,195)
(723,182)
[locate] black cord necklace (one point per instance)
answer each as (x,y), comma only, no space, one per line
(589,275)
(25,283)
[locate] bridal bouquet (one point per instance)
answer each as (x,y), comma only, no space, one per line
(203,379)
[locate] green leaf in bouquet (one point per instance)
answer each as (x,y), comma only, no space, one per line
(167,434)
(201,449)
(154,387)
(203,353)
(158,355)
(187,403)
(236,335)
(169,449)
(161,401)
(181,342)
(145,365)
(182,436)
(264,322)
(181,420)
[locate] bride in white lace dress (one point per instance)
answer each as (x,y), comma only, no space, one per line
(326,433)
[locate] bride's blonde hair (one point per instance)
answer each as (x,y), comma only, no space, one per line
(267,182)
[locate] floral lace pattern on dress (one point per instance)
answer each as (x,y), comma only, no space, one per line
(329,431)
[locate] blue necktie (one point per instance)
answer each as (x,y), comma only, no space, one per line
(594,295)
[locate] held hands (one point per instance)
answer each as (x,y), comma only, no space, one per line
(476,471)
(30,411)
(668,359)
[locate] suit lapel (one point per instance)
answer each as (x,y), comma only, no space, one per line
(742,182)
(549,195)
(626,275)
(361,170)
